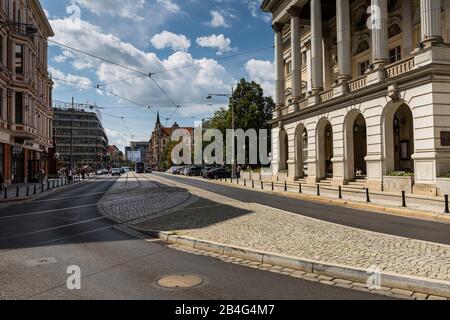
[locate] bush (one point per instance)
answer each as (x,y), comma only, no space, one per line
(446,175)
(401,174)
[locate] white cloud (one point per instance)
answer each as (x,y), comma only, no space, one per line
(124,9)
(166,39)
(170,5)
(217,20)
(69,78)
(219,42)
(255,9)
(262,72)
(117,138)
(187,87)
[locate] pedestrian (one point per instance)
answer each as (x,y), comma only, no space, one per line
(2,181)
(70,175)
(238,171)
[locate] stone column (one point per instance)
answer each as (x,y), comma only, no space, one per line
(343,40)
(296,54)
(279,68)
(430,11)
(407,26)
(316,47)
(379,19)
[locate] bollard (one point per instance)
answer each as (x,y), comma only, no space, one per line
(273,187)
(262,185)
(42,187)
(403,199)
(299,188)
(53,186)
(48,185)
(447,210)
(253,183)
(6,193)
(57,183)
(237,180)
(318,189)
(34,190)
(245,182)
(367,195)
(340,192)
(285,186)
(17,192)
(28,191)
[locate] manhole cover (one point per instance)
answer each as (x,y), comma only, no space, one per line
(179,281)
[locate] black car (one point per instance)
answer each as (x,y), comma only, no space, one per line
(206,170)
(148,170)
(194,171)
(219,173)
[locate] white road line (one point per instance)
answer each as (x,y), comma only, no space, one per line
(65,198)
(51,229)
(47,211)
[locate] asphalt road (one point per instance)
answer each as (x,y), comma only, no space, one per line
(378,222)
(39,240)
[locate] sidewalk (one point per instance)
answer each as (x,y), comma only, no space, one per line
(417,206)
(274,237)
(24,191)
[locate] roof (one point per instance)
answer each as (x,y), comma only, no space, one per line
(41,15)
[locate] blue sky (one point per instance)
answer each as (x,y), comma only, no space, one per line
(157,36)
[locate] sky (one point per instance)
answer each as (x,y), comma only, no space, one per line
(193,48)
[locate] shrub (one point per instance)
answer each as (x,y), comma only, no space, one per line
(401,174)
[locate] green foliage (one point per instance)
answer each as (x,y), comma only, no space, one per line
(166,161)
(252,110)
(401,174)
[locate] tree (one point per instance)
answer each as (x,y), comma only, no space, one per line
(251,108)
(166,160)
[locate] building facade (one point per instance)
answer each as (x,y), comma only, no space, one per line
(160,137)
(142,148)
(362,91)
(80,133)
(25,90)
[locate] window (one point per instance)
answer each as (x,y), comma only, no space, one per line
(19,108)
(1,50)
(304,58)
(395,54)
(362,67)
(19,59)
(288,67)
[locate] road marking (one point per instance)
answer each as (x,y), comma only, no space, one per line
(51,229)
(47,211)
(40,262)
(65,198)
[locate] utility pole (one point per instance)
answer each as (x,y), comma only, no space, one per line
(233,126)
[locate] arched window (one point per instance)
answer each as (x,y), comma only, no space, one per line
(362,46)
(394,30)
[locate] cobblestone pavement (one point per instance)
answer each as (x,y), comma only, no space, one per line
(223,220)
(132,198)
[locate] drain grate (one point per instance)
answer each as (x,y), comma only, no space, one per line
(180,281)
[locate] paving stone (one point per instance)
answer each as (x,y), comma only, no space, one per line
(325,278)
(420,296)
(431,297)
(402,292)
(330,283)
(343,281)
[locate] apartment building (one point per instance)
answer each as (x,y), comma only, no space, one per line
(25,90)
(79,134)
(362,93)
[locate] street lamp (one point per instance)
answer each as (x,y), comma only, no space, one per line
(230,97)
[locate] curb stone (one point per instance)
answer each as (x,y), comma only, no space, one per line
(373,208)
(402,282)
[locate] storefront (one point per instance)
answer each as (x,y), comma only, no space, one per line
(2,161)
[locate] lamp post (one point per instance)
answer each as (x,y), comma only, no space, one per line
(230,97)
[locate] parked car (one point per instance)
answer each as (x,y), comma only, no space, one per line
(116,172)
(148,170)
(207,169)
(219,173)
(194,171)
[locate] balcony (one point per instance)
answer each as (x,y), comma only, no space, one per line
(393,73)
(24,131)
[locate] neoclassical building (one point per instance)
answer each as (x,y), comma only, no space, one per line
(362,91)
(25,90)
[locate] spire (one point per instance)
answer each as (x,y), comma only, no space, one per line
(157,119)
